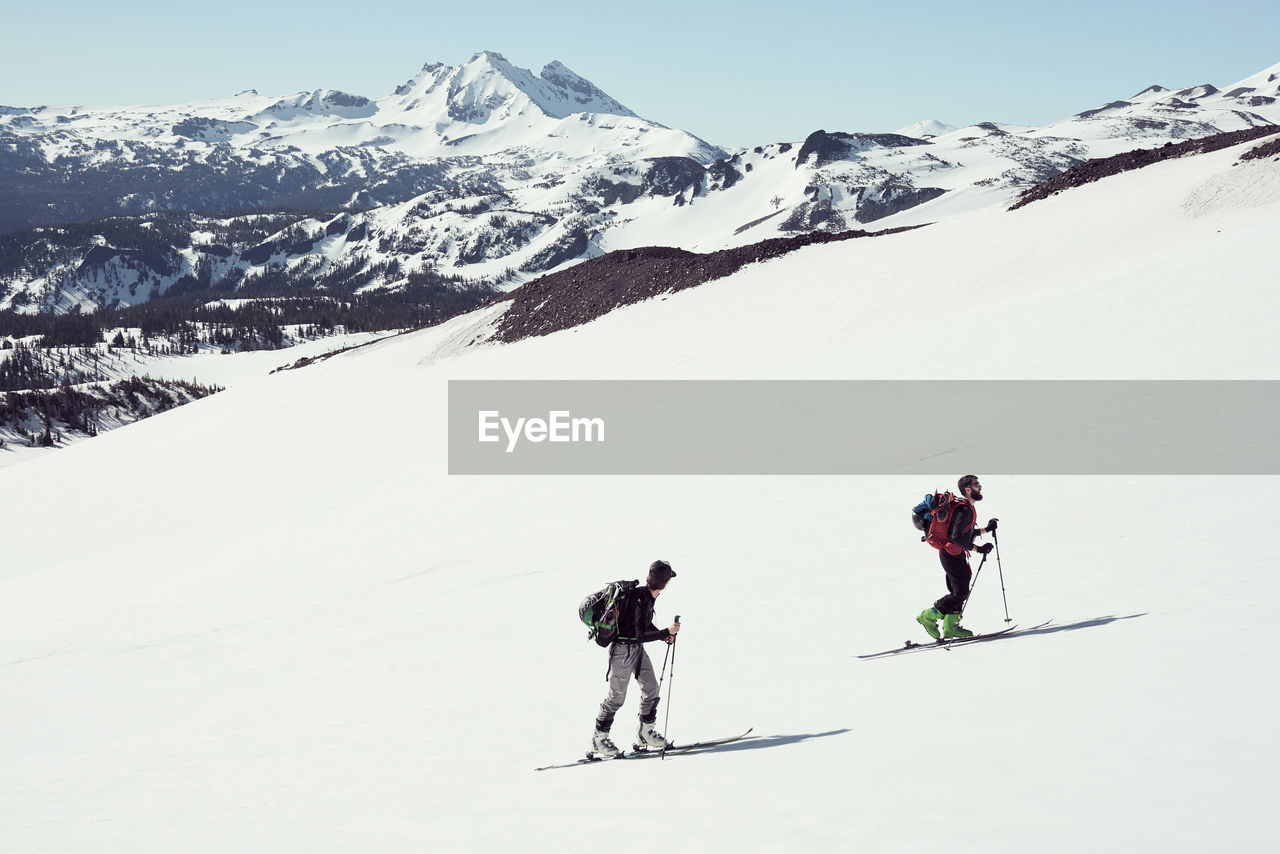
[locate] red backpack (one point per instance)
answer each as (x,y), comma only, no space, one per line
(937,510)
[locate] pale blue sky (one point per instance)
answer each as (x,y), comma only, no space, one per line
(736,74)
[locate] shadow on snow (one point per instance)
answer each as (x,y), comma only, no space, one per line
(1054,628)
(762,742)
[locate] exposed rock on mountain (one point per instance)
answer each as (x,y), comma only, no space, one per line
(1096,170)
(594,288)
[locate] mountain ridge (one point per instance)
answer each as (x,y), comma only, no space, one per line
(487,172)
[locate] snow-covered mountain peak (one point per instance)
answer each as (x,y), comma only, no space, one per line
(1193,93)
(489,90)
(585,93)
(488,83)
(1265,82)
(1151,93)
(926,129)
(428,71)
(321,102)
(421,83)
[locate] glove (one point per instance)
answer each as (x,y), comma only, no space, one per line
(991,526)
(984,549)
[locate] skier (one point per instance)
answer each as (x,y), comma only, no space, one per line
(627,658)
(954,554)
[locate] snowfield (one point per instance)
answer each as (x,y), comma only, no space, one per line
(270,621)
(207,367)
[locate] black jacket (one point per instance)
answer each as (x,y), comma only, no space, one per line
(963,526)
(635,618)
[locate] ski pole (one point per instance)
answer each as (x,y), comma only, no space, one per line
(973,585)
(666,722)
(664,664)
(996,540)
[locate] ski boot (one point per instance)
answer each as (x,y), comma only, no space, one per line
(929,619)
(602,745)
(647,737)
(951,627)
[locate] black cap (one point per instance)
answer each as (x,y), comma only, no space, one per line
(660,572)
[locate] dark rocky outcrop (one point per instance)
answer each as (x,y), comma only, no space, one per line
(1096,170)
(592,289)
(813,215)
(199,127)
(1114,105)
(884,202)
(572,245)
(827,148)
(1262,152)
(342,99)
(722,175)
(668,176)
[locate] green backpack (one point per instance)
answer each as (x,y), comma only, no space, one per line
(600,611)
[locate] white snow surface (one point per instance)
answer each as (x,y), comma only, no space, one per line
(270,620)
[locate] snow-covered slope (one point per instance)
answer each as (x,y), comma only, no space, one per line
(209,366)
(270,620)
(833,181)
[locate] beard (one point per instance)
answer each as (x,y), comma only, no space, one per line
(977,495)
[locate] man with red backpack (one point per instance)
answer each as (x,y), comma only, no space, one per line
(948,522)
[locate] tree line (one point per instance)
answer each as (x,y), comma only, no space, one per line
(252,318)
(39,418)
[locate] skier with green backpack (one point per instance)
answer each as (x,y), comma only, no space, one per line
(948,522)
(621,617)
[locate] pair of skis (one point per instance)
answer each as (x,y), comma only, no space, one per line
(912,646)
(644,753)
(593,758)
